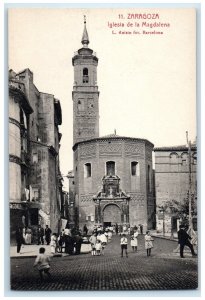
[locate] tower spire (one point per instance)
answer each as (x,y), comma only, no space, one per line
(85,38)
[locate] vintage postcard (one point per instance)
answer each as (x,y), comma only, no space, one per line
(103,148)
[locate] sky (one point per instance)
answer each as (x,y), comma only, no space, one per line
(147,82)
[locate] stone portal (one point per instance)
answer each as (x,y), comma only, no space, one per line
(111,203)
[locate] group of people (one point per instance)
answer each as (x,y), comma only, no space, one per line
(25,236)
(69,240)
(134,242)
(99,240)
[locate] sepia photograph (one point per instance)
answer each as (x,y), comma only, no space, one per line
(102,134)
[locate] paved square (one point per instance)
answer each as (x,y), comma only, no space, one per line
(162,271)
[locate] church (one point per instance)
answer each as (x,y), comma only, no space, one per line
(112,177)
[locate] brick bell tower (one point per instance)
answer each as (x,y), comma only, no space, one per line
(85,92)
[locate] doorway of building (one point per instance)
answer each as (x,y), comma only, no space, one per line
(111,214)
(106,224)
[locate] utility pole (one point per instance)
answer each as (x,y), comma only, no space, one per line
(190,184)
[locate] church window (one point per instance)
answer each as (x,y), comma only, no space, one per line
(35,157)
(85,75)
(35,194)
(110,168)
(174,158)
(87,170)
(81,106)
(184,157)
(135,168)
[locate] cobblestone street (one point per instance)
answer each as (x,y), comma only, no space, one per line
(164,270)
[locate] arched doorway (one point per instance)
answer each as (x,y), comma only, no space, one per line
(111,215)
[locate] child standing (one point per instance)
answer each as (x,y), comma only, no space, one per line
(134,242)
(92,241)
(123,243)
(53,243)
(98,247)
(148,243)
(43,263)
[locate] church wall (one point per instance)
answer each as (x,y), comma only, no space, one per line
(122,152)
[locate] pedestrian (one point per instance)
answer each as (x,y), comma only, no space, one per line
(183,240)
(141,229)
(148,243)
(109,235)
(19,239)
(28,236)
(134,241)
(103,239)
(128,230)
(120,229)
(48,235)
(24,235)
(42,262)
(53,243)
(67,240)
(78,242)
(93,240)
(123,243)
(61,241)
(85,230)
(98,247)
(69,244)
(124,228)
(40,235)
(67,231)
(116,229)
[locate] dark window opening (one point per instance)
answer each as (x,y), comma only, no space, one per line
(34,216)
(85,75)
(110,168)
(87,170)
(134,168)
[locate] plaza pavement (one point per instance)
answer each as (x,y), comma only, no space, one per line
(163,270)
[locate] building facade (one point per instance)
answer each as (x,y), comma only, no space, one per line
(113,176)
(34,139)
(172,171)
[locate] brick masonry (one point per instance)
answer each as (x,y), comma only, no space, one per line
(122,152)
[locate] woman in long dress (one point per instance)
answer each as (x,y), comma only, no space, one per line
(53,243)
(28,236)
(134,241)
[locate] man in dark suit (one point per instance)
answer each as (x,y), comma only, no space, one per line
(48,235)
(40,235)
(183,240)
